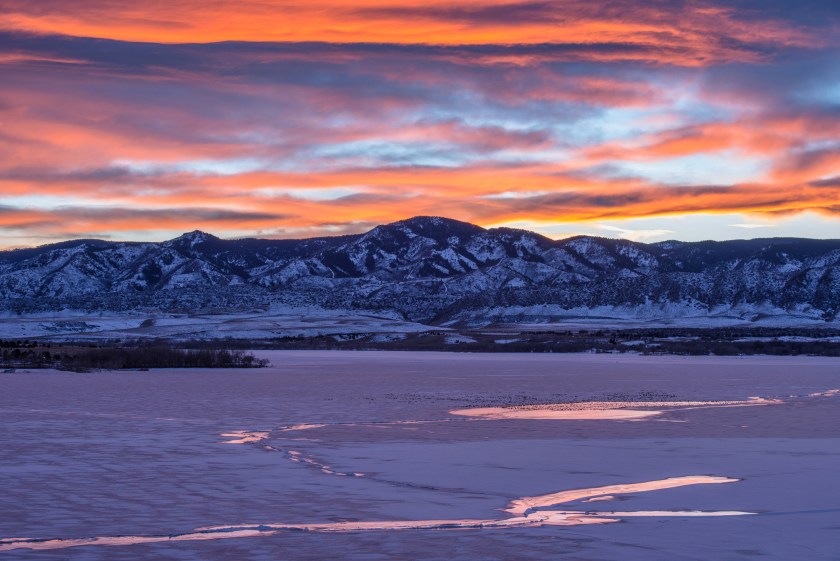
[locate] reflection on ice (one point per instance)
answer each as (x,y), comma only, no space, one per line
(526,505)
(600,410)
(299,457)
(261,437)
(667,513)
(301,426)
(598,499)
(827,393)
(244,437)
(524,513)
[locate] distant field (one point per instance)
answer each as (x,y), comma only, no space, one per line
(319,329)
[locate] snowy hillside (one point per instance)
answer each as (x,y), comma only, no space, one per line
(433,269)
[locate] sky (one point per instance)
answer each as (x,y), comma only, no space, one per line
(646,120)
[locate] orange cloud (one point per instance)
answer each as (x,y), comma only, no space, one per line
(371,112)
(780,137)
(691,33)
(383,196)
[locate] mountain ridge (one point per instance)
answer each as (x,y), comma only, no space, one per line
(431,269)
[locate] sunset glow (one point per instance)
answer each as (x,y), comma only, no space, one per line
(645,120)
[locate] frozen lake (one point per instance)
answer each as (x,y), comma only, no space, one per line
(358,455)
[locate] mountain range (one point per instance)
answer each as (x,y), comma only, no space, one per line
(433,270)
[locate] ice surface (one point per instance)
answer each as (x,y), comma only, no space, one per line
(137,458)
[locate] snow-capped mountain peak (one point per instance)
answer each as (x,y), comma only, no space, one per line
(431,269)
(192,239)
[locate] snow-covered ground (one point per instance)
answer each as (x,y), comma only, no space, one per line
(363,451)
(376,326)
(549,316)
(280,322)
